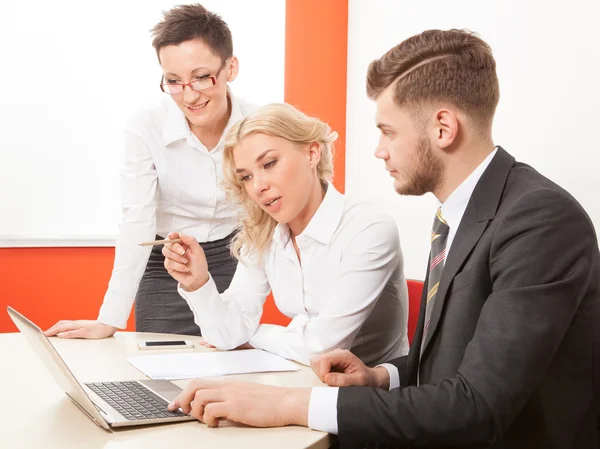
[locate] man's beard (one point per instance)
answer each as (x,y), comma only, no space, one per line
(425,174)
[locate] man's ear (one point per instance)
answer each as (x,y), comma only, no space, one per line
(446,128)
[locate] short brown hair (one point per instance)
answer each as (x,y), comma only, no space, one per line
(438,65)
(186,22)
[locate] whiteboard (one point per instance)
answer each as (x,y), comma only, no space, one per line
(62,116)
(548,63)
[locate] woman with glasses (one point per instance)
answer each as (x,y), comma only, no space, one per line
(334,265)
(171,178)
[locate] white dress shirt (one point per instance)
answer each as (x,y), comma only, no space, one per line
(322,410)
(169,181)
(348,291)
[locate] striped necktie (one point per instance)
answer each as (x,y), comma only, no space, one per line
(439,236)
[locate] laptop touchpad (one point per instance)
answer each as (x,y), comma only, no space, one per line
(163,388)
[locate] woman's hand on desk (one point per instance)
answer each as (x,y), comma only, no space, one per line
(81,329)
(186,261)
(202,342)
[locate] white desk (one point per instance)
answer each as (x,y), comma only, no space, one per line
(35,412)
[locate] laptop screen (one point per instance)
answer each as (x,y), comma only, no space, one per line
(55,364)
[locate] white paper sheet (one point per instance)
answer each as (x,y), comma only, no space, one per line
(209,364)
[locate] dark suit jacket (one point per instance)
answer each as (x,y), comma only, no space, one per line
(512,356)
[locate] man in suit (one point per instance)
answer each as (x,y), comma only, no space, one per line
(507,349)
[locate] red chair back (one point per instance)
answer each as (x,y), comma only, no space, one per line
(272,315)
(415,290)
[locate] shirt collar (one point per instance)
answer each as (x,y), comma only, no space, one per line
(323,223)
(454,207)
(176,126)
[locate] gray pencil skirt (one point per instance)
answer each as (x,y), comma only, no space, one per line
(158,306)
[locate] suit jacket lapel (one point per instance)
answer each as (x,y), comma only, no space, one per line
(480,211)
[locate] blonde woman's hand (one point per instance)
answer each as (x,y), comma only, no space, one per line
(202,342)
(186,261)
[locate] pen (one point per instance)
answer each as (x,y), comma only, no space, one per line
(160,242)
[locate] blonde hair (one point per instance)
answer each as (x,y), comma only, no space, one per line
(278,120)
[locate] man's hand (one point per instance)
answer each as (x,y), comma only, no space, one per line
(341,368)
(186,261)
(81,329)
(243,402)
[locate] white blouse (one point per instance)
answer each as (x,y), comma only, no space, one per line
(169,181)
(349,290)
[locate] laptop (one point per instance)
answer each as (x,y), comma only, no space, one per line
(108,404)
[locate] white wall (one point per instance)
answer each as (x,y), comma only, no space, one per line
(71,73)
(548,59)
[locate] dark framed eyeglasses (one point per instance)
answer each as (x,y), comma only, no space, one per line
(196,85)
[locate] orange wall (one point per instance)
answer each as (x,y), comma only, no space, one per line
(316,48)
(48,284)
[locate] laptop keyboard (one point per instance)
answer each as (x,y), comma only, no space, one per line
(133,400)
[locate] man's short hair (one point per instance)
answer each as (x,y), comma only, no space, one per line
(436,66)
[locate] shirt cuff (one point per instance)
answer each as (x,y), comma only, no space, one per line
(111,321)
(201,294)
(322,409)
(115,310)
(267,336)
(394,375)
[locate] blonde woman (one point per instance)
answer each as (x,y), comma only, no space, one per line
(334,266)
